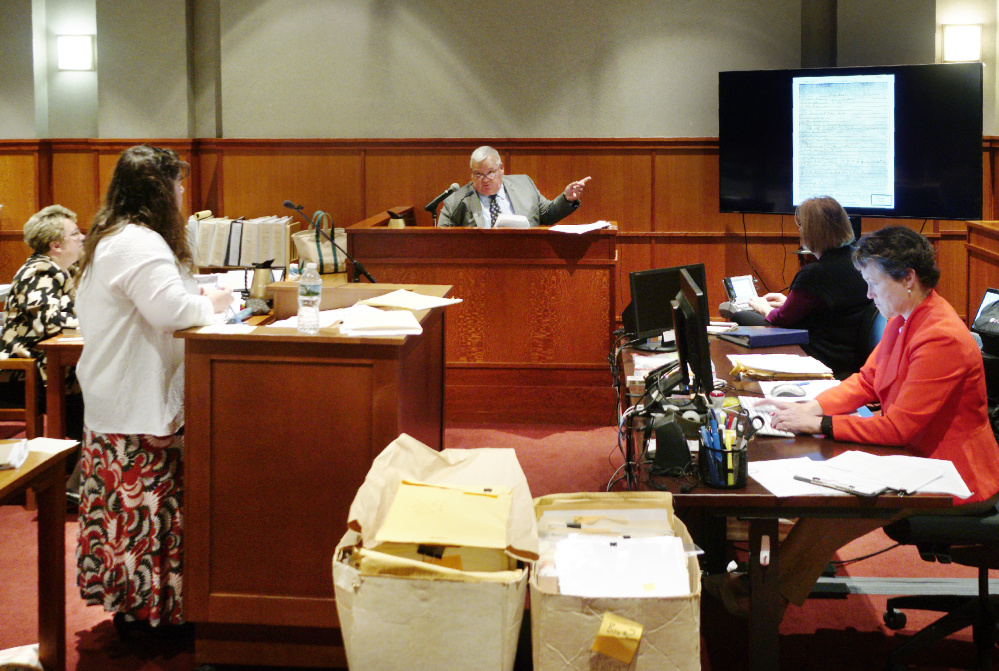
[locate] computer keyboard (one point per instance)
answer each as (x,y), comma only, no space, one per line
(763,412)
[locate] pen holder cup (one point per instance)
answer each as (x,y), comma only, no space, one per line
(723,469)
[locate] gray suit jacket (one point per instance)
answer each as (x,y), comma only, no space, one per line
(462,208)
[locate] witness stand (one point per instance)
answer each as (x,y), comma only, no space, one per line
(537,316)
(705,510)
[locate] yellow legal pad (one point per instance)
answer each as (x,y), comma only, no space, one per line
(434,514)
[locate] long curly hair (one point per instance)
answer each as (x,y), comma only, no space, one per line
(142,192)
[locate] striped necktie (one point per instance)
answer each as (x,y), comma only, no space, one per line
(494,210)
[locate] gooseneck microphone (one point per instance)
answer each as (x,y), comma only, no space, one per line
(358,268)
(431,207)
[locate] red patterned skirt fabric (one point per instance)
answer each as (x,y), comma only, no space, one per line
(129,554)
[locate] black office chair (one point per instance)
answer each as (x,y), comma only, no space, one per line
(964,539)
(873,328)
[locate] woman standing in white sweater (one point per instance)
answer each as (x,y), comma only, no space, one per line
(136,289)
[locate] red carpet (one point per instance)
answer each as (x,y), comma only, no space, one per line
(824,634)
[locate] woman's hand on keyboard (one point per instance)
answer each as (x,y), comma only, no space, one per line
(799,417)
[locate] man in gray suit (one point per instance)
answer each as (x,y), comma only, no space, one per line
(491,194)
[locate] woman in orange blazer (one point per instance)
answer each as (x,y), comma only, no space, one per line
(928,376)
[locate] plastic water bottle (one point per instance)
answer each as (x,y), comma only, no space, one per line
(310,288)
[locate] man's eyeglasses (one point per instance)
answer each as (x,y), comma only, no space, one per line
(75,234)
(479,176)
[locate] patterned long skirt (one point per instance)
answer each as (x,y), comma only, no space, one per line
(129,554)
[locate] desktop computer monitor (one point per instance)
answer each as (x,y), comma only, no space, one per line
(651,294)
(690,320)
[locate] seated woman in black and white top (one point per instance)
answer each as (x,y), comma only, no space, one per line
(40,303)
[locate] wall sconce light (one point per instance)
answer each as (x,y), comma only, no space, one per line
(75,52)
(961,43)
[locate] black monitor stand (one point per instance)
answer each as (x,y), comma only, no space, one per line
(855,222)
(661,348)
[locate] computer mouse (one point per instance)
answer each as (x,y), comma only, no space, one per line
(786,390)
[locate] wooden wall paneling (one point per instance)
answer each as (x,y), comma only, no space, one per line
(686,189)
(208,180)
(950,240)
(19,182)
(259,178)
(620,189)
(982,260)
(633,253)
(75,182)
(407,175)
(763,245)
(988,180)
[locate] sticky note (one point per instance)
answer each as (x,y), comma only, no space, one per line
(618,638)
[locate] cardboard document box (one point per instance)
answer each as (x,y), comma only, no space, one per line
(432,572)
(565,630)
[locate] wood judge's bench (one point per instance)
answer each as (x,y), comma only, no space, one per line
(534,328)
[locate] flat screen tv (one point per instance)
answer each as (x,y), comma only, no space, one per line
(896,141)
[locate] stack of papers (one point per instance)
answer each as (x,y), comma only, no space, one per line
(511,221)
(612,553)
(860,473)
(364,320)
(580,228)
(13,453)
(408,300)
(779,367)
(621,567)
(646,363)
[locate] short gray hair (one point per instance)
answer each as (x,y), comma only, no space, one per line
(45,227)
(481,154)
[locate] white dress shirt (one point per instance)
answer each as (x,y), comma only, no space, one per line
(129,303)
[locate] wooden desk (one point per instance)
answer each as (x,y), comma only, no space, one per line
(280,432)
(46,475)
(534,328)
(705,509)
(61,352)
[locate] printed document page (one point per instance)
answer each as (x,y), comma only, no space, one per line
(601,566)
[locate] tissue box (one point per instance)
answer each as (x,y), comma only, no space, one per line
(564,627)
(433,571)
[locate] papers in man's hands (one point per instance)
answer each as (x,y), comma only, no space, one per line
(579,229)
(779,367)
(13,453)
(860,473)
(511,221)
(408,300)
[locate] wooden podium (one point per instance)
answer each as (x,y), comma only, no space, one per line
(529,342)
(280,432)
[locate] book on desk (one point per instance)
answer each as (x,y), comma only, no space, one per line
(765,336)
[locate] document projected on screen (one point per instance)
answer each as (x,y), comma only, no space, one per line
(844,139)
